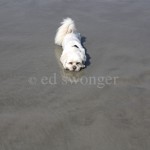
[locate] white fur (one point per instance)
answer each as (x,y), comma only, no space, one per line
(73,56)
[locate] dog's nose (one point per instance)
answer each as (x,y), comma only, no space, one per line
(74,67)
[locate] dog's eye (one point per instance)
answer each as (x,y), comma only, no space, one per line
(70,63)
(78,63)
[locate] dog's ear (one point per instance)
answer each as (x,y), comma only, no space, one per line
(63,59)
(83,66)
(84,59)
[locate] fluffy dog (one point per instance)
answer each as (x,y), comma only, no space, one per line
(73,56)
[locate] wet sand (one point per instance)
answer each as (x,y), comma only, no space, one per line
(43,107)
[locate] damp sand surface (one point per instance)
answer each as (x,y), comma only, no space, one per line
(106,106)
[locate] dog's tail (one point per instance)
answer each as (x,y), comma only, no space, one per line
(67,26)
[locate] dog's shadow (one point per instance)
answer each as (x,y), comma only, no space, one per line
(88,62)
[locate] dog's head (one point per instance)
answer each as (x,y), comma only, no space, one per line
(73,60)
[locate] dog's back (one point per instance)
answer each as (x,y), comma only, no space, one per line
(71,39)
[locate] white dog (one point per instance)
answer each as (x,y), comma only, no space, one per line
(73,56)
